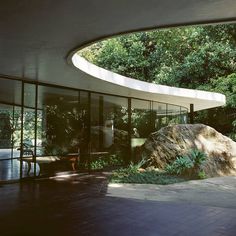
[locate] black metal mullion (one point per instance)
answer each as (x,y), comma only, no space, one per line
(13,123)
(22,120)
(191,115)
(129,129)
(35,128)
(101,122)
(89,132)
(167,119)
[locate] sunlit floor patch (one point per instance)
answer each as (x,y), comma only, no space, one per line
(211,192)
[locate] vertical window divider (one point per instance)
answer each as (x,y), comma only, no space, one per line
(13,123)
(35,128)
(22,120)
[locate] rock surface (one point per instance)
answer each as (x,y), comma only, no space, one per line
(164,146)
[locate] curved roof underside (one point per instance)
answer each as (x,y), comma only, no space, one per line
(37,36)
(125,86)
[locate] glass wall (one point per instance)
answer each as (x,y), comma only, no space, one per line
(6,131)
(183,115)
(141,118)
(10,128)
(173,114)
(109,130)
(58,119)
(63,129)
(10,116)
(141,125)
(16,131)
(160,115)
(62,126)
(29,130)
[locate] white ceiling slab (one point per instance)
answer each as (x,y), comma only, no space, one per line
(37,36)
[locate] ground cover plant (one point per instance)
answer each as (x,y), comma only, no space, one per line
(135,174)
(182,169)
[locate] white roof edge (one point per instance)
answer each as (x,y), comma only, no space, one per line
(201,99)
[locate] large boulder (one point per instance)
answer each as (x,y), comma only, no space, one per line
(164,146)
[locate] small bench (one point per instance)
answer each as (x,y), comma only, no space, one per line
(50,163)
(42,161)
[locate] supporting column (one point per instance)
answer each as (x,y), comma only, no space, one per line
(191,114)
(152,117)
(101,122)
(129,130)
(89,132)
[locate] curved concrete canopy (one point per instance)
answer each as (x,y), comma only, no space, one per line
(37,36)
(124,86)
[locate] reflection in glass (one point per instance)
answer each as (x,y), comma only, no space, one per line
(159,110)
(183,115)
(62,125)
(141,125)
(28,138)
(173,114)
(58,120)
(6,131)
(10,130)
(10,114)
(141,118)
(109,126)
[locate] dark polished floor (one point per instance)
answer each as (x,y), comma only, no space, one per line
(79,205)
(10,165)
(10,170)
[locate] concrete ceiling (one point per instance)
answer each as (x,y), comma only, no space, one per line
(37,36)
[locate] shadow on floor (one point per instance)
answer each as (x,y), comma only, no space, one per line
(78,205)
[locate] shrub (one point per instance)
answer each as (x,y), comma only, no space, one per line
(189,165)
(103,162)
(180,165)
(202,174)
(232,135)
(98,164)
(198,157)
(130,169)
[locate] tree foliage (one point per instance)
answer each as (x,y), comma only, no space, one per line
(198,57)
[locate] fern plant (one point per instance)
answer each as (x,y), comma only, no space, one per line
(180,165)
(198,157)
(190,165)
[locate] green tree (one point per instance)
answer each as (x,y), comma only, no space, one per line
(199,57)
